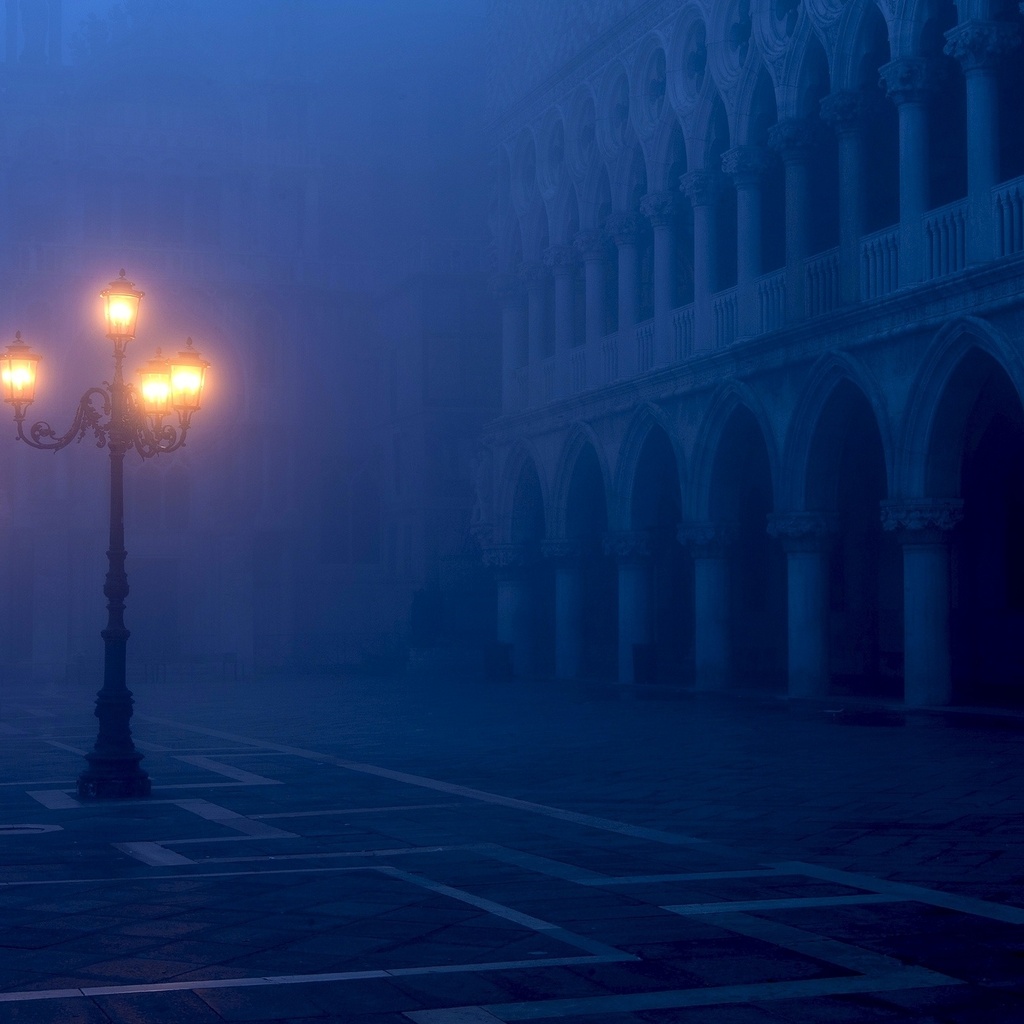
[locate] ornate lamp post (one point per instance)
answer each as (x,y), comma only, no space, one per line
(121,416)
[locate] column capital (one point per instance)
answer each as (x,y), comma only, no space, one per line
(844,110)
(623,228)
(978,44)
(922,520)
(560,259)
(533,274)
(801,530)
(707,539)
(507,289)
(504,557)
(907,79)
(628,545)
(795,138)
(659,207)
(701,187)
(746,164)
(591,245)
(563,551)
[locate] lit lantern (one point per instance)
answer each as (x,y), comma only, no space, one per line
(155,386)
(18,372)
(121,308)
(188,371)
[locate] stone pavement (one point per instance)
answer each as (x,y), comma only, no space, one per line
(443,851)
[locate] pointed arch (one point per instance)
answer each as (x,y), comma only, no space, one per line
(648,417)
(522,460)
(581,438)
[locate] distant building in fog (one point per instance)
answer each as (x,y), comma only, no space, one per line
(762,284)
(296,526)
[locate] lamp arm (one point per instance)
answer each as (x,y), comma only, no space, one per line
(92,407)
(151,438)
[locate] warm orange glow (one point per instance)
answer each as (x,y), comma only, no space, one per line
(18,373)
(121,309)
(188,371)
(155,386)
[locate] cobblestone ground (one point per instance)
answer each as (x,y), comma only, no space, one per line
(443,851)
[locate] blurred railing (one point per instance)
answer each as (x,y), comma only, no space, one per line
(725,312)
(945,239)
(771,300)
(821,283)
(682,332)
(1008,201)
(644,346)
(879,263)
(577,369)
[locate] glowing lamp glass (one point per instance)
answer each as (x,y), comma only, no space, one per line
(155,386)
(121,309)
(18,373)
(188,373)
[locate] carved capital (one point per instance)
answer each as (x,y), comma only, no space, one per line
(978,45)
(659,207)
(746,164)
(505,558)
(533,274)
(795,138)
(708,539)
(907,79)
(922,520)
(801,531)
(844,110)
(561,259)
(591,245)
(623,228)
(564,551)
(701,187)
(628,545)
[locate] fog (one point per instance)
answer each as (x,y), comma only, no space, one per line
(277,177)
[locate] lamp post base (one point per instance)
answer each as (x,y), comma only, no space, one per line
(113,778)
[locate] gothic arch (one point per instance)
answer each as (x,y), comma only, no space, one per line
(596,197)
(806,61)
(922,468)
(580,438)
(647,418)
(749,101)
(730,397)
(565,215)
(522,458)
(667,153)
(855,23)
(827,375)
(536,235)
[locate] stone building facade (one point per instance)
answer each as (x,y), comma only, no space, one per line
(762,290)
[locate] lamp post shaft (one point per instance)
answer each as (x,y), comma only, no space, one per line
(114,769)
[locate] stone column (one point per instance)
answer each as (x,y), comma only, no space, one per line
(561,260)
(535,278)
(844,111)
(795,141)
(908,82)
(632,550)
(701,188)
(978,46)
(624,229)
(660,209)
(568,606)
(593,250)
(513,602)
(710,543)
(922,527)
(806,538)
(508,288)
(746,166)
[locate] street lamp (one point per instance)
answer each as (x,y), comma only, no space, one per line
(121,417)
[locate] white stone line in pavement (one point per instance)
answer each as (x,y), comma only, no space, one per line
(911,977)
(65,746)
(54,799)
(507,913)
(357,810)
(783,903)
(832,951)
(195,985)
(907,891)
(540,865)
(10,730)
(687,876)
(330,855)
(69,783)
(983,908)
(238,774)
(153,854)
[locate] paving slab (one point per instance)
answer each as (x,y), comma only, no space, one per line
(458,851)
